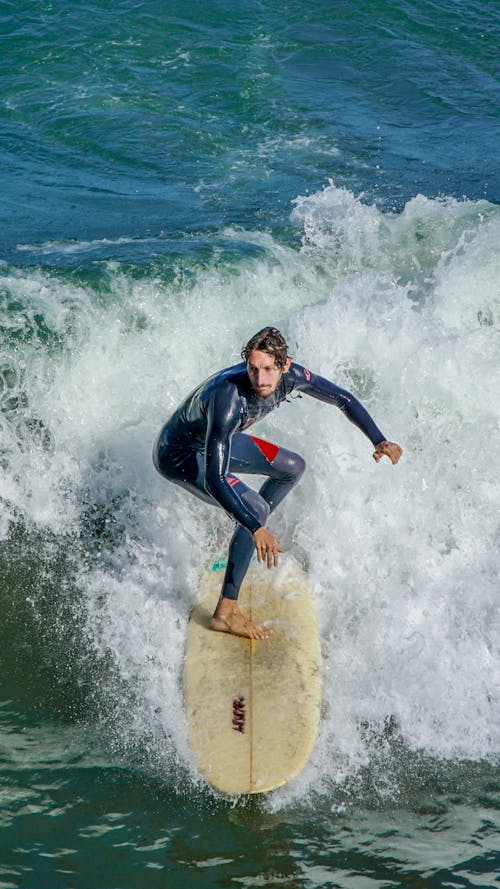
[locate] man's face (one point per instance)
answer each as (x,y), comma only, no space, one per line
(263,373)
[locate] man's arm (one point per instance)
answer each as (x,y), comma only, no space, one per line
(223,418)
(324,390)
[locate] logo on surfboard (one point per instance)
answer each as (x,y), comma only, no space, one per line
(239,714)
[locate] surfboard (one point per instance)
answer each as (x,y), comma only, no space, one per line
(253,706)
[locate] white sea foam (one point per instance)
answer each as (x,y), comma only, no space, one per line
(401,309)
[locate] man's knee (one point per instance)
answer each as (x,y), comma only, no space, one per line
(300,466)
(291,465)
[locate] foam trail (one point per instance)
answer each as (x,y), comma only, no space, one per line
(401,309)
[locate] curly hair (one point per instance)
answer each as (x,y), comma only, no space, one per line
(269,340)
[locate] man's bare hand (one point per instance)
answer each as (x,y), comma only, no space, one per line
(390,449)
(267,547)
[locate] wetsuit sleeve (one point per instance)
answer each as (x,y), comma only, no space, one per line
(324,390)
(223,418)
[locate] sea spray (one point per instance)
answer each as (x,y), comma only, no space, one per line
(401,309)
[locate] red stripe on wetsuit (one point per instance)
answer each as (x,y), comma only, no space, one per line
(266,447)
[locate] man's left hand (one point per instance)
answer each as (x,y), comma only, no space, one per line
(390,449)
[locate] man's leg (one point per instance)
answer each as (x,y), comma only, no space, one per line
(248,455)
(284,469)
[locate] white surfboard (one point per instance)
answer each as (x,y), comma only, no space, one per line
(252,706)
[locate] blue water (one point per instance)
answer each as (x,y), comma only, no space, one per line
(156,120)
(174,176)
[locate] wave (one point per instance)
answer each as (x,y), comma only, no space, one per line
(403,309)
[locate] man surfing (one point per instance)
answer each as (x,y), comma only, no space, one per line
(203,445)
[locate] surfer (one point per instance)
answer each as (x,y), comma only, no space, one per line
(203,445)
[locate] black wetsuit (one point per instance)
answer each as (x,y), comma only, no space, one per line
(201,447)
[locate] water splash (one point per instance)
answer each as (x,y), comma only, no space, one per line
(402,309)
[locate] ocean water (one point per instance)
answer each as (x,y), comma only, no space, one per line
(173,177)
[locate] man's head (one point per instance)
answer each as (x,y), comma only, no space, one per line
(266,357)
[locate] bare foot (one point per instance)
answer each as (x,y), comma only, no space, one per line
(228,618)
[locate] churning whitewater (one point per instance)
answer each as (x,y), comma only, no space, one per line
(400,308)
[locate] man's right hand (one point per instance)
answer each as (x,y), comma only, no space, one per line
(267,547)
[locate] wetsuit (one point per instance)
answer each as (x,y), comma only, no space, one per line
(202,445)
